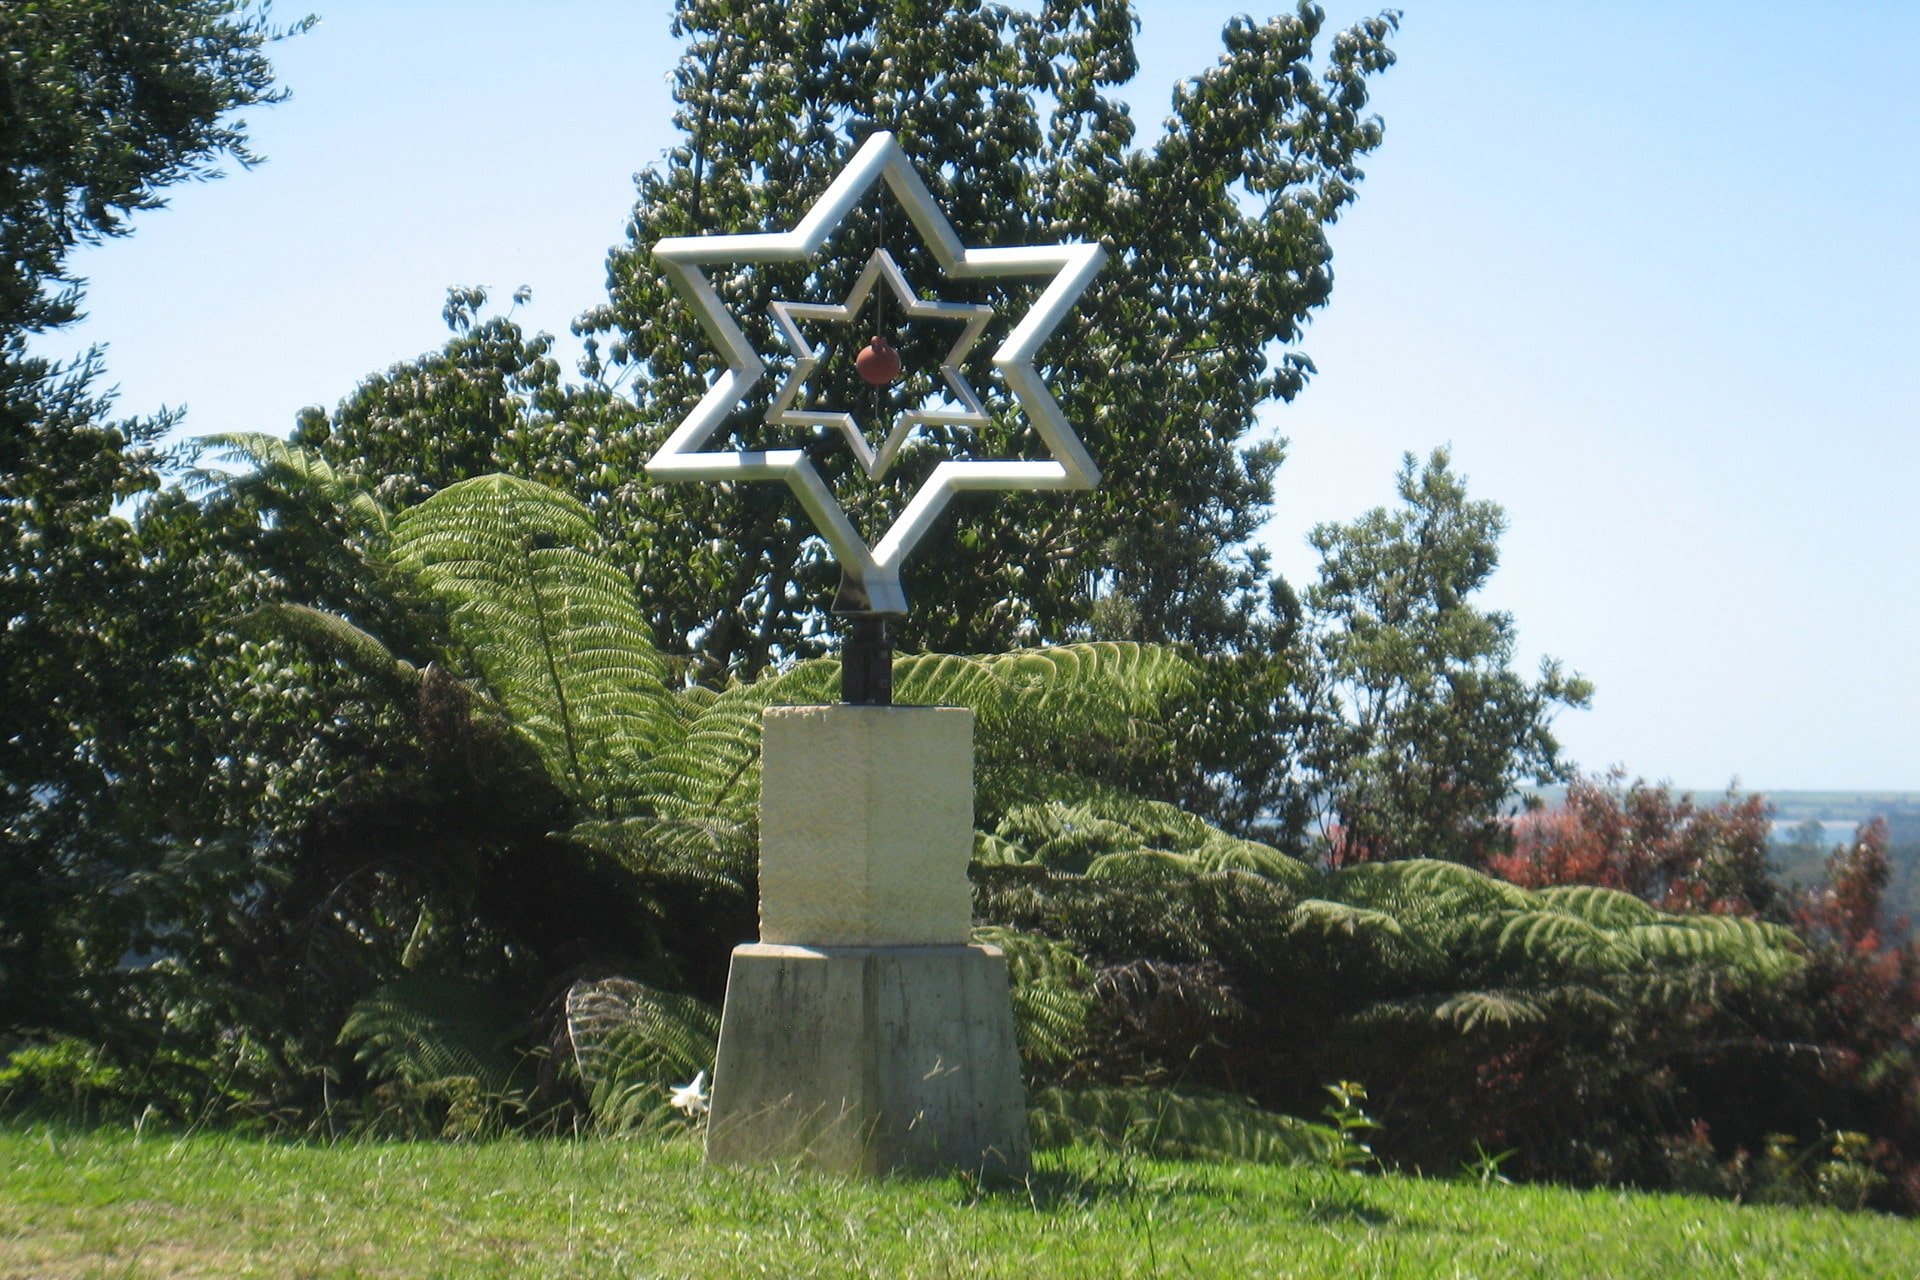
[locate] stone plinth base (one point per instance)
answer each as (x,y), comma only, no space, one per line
(865,1059)
(866,825)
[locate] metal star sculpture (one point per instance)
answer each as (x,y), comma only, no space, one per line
(805,360)
(871,585)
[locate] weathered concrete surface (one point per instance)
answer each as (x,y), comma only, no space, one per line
(865,1059)
(866,825)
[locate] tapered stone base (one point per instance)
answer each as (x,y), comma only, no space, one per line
(866,1059)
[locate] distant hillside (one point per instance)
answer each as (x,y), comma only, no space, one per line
(1801,855)
(1901,809)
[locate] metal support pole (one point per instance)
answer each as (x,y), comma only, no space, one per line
(866,662)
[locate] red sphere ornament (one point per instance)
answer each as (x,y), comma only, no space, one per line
(878,363)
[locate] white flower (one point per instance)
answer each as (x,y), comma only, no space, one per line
(691,1098)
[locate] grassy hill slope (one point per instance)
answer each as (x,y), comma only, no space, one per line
(103,1203)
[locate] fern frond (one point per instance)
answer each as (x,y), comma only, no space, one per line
(947,680)
(696,847)
(1423,883)
(803,684)
(427,1027)
(1319,915)
(1468,1011)
(1457,1012)
(1676,986)
(715,761)
(1168,1125)
(1223,852)
(1123,677)
(694,699)
(990,850)
(1068,836)
(555,630)
(332,636)
(1156,823)
(301,473)
(1543,945)
(631,1041)
(1109,833)
(1588,1003)
(1601,907)
(1672,942)
(1737,947)
(1051,995)
(1141,864)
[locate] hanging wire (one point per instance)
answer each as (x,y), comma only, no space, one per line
(880,321)
(886,210)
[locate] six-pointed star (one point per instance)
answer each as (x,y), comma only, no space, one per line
(873,574)
(880,267)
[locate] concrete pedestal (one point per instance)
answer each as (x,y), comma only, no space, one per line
(867,1059)
(866,825)
(861,1033)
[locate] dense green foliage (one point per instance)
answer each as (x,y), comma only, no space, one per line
(102,106)
(1856,1007)
(87,1204)
(1151,947)
(106,104)
(1478,1014)
(403,777)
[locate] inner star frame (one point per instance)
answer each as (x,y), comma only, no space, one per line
(880,266)
(874,572)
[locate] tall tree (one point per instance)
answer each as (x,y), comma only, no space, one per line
(102,106)
(1424,728)
(1218,254)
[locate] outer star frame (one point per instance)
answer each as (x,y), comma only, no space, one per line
(875,572)
(880,267)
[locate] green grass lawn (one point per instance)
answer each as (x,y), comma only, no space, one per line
(110,1204)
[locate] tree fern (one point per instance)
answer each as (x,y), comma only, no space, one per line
(425,1028)
(1419,883)
(630,1041)
(1607,908)
(1144,943)
(334,637)
(1461,1012)
(1543,942)
(299,472)
(1169,1125)
(1068,836)
(1157,1020)
(1055,715)
(680,843)
(554,629)
(1324,917)
(1141,864)
(1053,684)
(1107,834)
(713,762)
(990,849)
(948,680)
(1051,996)
(1221,852)
(1755,951)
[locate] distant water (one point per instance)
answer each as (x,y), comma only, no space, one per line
(1831,832)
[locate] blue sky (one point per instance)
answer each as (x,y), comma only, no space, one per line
(1649,269)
